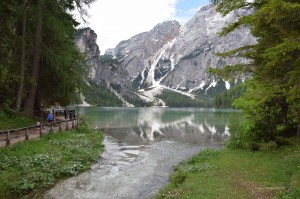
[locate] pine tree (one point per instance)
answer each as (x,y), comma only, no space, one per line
(272,101)
(8,40)
(38,59)
(22,58)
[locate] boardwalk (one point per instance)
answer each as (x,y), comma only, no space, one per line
(9,137)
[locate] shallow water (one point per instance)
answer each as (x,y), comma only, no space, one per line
(142,145)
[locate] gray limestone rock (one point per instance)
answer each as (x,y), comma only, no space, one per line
(179,57)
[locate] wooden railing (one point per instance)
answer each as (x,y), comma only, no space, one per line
(8,137)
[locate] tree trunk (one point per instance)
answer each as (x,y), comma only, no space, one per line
(298,128)
(38,101)
(22,60)
(31,97)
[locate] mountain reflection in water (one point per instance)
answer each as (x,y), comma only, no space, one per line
(205,127)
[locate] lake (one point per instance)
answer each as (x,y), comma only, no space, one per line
(142,145)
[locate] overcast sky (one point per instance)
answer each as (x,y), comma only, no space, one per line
(117,20)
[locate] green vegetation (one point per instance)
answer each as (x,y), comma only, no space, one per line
(39,63)
(11,121)
(38,164)
(173,99)
(232,173)
(138,102)
(108,59)
(97,94)
(226,98)
(271,102)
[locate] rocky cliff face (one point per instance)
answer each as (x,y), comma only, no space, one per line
(179,57)
(136,53)
(85,40)
(115,78)
(104,70)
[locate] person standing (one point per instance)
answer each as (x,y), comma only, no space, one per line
(50,117)
(66,113)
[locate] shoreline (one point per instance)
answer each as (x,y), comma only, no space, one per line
(233,173)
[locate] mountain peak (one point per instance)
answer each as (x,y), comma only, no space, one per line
(178,57)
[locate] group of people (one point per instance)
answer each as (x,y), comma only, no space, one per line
(52,115)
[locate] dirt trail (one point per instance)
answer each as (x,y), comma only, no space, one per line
(33,133)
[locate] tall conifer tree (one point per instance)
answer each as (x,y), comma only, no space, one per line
(272,101)
(39,34)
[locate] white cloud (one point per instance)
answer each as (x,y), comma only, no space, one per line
(117,20)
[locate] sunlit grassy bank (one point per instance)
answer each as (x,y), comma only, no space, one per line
(272,173)
(38,164)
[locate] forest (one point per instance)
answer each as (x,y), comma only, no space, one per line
(174,99)
(39,63)
(226,98)
(97,94)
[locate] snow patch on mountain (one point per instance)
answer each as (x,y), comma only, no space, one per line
(84,103)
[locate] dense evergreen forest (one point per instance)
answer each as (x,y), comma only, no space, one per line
(227,97)
(98,95)
(39,63)
(173,99)
(271,102)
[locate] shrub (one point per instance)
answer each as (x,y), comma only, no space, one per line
(241,135)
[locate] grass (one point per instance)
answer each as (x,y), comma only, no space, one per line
(39,164)
(11,121)
(229,173)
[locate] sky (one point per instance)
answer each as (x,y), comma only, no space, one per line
(117,20)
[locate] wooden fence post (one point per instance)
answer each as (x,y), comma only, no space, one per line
(26,134)
(51,127)
(40,131)
(7,138)
(59,126)
(67,126)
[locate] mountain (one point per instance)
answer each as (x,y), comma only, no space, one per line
(86,42)
(172,57)
(137,53)
(179,57)
(105,71)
